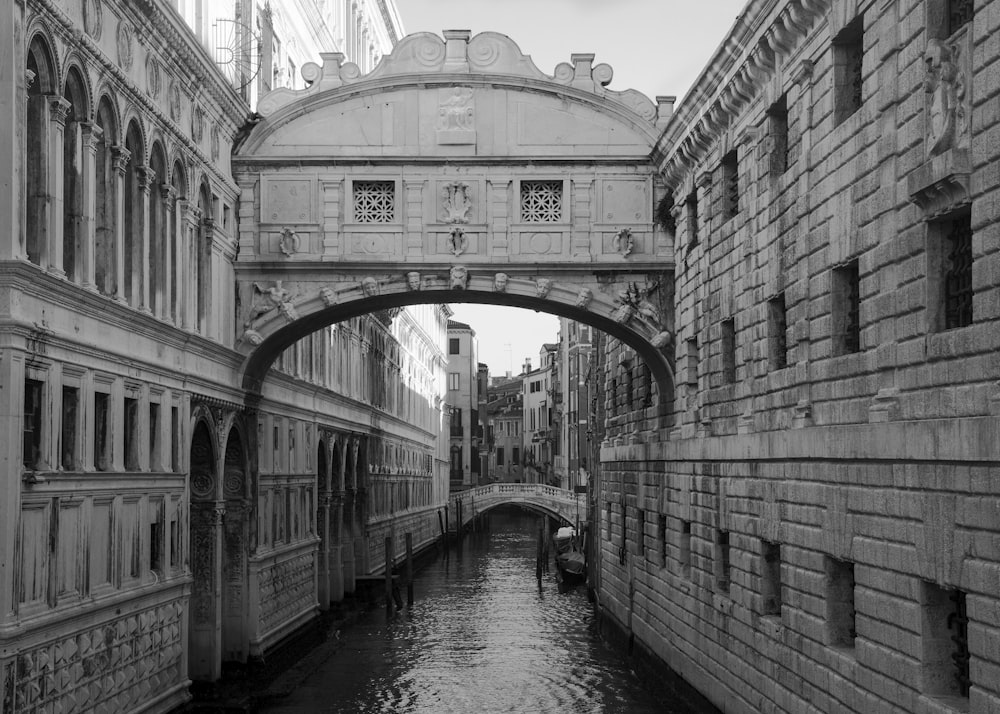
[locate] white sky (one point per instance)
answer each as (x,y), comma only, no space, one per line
(655,46)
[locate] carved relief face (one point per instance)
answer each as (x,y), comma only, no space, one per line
(459,276)
(583,298)
(543,286)
(370,287)
(500,282)
(413,280)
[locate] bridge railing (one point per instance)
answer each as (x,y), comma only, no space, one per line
(489,495)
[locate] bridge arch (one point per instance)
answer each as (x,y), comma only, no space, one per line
(562,504)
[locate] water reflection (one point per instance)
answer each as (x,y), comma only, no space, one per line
(482,637)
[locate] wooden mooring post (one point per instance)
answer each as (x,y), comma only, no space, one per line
(388,575)
(409,569)
(447,526)
(538,556)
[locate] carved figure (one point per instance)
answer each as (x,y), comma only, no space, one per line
(288,310)
(637,302)
(289,242)
(328,296)
(267,299)
(253,337)
(500,282)
(542,287)
(623,313)
(662,339)
(459,276)
(413,280)
(624,242)
(457,202)
(455,112)
(369,286)
(458,242)
(946,85)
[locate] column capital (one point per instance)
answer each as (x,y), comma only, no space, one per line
(92,134)
(29,79)
(120,156)
(147,177)
(59,108)
(168,192)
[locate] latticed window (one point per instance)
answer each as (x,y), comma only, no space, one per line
(958,276)
(960,13)
(541,201)
(374,201)
(730,184)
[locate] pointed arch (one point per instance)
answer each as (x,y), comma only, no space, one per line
(42,83)
(202,257)
(74,210)
(106,188)
(158,200)
(173,258)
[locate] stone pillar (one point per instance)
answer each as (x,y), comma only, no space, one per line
(12,384)
(187,270)
(347,547)
(90,135)
(323,556)
(204,240)
(163,308)
(51,256)
(140,273)
(119,162)
(336,548)
(205,636)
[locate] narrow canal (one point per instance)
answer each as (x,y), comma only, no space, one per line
(481,637)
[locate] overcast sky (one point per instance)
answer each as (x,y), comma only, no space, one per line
(656,46)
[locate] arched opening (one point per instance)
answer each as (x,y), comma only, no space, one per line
(204,657)
(159,201)
(106,199)
(235,642)
(202,260)
(175,241)
(135,197)
(41,81)
(73,176)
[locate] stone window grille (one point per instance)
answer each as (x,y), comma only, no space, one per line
(778,330)
(729,351)
(944,641)
(374,201)
(730,185)
(31,427)
(777,120)
(692,218)
(846,311)
(770,577)
(958,274)
(722,562)
(840,613)
(541,201)
(70,419)
(685,549)
(960,13)
(848,61)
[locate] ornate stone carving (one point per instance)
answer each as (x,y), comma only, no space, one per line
(214,142)
(289,242)
(329,296)
(125,41)
(542,287)
(662,339)
(458,277)
(413,281)
(624,242)
(174,100)
(947,122)
(202,484)
(267,299)
(634,302)
(583,298)
(457,241)
(455,124)
(93,18)
(197,124)
(153,76)
(253,337)
(500,281)
(456,202)
(286,589)
(370,287)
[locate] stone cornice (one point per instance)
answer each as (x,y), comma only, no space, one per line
(740,67)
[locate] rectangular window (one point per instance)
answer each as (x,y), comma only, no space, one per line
(661,537)
(777,327)
(499,456)
(31,427)
(770,578)
(729,351)
(454,346)
(777,130)
(175,543)
(730,185)
(846,312)
(131,434)
(101,416)
(848,73)
(691,361)
(944,640)
(691,202)
(640,533)
(541,201)
(156,546)
(722,560)
(958,273)
(175,438)
(685,549)
(607,520)
(374,201)
(960,13)
(840,613)
(70,419)
(154,436)
(453,381)
(515,455)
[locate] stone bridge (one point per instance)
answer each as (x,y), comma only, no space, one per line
(560,503)
(455,171)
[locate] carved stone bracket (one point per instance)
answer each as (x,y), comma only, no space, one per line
(942,184)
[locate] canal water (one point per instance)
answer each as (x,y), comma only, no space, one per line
(481,637)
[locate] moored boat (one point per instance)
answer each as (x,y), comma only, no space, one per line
(570,561)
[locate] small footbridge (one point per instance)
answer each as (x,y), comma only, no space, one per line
(560,503)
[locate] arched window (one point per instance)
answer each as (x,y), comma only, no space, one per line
(134,181)
(41,84)
(106,204)
(157,229)
(178,226)
(202,249)
(73,178)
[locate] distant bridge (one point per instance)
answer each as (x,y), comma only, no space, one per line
(561,503)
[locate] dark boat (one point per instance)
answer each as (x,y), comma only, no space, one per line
(570,562)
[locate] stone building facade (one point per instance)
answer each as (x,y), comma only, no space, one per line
(816,530)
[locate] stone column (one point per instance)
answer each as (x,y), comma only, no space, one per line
(90,135)
(337,548)
(119,162)
(205,623)
(12,384)
(163,308)
(187,284)
(51,256)
(140,273)
(204,242)
(323,566)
